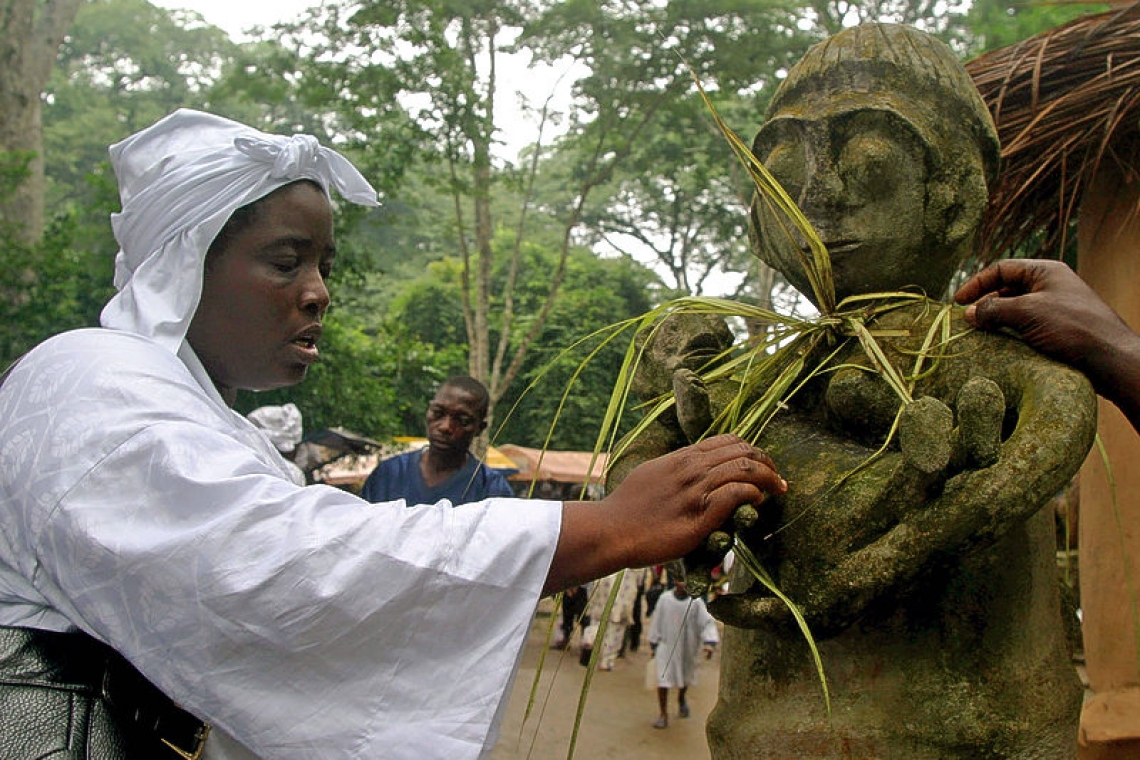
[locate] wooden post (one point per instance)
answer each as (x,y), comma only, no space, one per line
(1109,255)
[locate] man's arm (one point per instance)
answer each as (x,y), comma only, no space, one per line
(1057,313)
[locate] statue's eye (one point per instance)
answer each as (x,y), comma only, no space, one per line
(787,163)
(869,162)
(874,151)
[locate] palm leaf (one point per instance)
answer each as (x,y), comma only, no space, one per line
(748,559)
(818,265)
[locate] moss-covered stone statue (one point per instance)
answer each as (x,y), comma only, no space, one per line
(926,572)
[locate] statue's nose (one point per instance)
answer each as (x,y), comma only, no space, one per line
(823,187)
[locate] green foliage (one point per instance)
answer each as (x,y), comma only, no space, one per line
(997,23)
(934,16)
(398,87)
(428,307)
(124,65)
(48,287)
(672,195)
(597,292)
(370,384)
(14,169)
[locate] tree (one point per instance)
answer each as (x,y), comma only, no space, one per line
(441,56)
(934,16)
(440,59)
(678,198)
(123,65)
(30,35)
(50,285)
(994,24)
(596,293)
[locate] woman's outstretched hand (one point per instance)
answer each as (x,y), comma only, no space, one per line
(662,510)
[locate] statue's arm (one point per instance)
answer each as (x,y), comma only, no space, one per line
(1056,422)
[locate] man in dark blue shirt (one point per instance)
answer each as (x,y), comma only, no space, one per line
(445,469)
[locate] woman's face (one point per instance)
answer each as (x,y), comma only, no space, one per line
(264,296)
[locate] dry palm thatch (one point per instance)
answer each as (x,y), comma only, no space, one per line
(1064,102)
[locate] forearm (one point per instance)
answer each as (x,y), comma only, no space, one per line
(1115,373)
(588,548)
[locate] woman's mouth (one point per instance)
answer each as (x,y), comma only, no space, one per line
(306,344)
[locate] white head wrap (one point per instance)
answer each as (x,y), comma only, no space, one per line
(179,181)
(282,425)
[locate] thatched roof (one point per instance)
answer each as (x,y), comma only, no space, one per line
(1064,101)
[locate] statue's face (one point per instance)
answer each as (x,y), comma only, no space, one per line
(861,178)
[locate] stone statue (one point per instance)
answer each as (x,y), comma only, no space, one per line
(926,571)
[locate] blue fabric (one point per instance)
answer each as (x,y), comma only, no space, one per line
(399,478)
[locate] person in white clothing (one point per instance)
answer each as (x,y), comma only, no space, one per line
(156,558)
(679,631)
(619,617)
(282,425)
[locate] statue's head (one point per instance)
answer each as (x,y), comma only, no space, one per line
(880,137)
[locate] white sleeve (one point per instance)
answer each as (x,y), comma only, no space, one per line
(710,634)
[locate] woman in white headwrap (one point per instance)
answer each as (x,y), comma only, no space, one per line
(140,511)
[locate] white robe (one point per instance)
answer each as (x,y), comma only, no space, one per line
(300,622)
(678,628)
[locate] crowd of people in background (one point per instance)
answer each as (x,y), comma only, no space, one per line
(649,603)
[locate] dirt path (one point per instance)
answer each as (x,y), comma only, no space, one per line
(620,710)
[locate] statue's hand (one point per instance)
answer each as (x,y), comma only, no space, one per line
(981,410)
(861,404)
(750,611)
(930,518)
(926,428)
(700,563)
(694,411)
(929,441)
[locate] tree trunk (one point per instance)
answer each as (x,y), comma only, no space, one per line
(30,35)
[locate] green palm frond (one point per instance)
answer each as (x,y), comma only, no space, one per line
(818,265)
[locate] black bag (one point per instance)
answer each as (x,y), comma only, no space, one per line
(68,696)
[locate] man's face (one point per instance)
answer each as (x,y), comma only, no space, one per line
(454,417)
(860,177)
(264,295)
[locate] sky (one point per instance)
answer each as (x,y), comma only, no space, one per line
(519,130)
(236,17)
